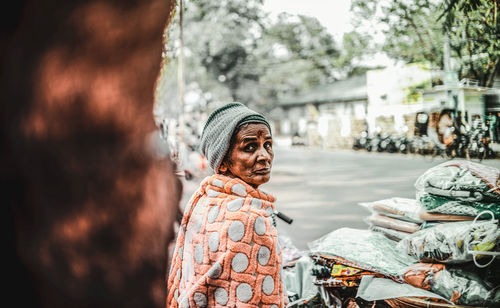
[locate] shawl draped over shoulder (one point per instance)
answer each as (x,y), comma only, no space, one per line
(227,252)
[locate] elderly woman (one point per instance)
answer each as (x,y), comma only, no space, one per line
(227,251)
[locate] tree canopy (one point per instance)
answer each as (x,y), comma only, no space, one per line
(416,31)
(235,51)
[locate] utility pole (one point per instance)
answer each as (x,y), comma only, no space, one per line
(180,76)
(450,79)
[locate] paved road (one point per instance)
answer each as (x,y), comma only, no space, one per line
(321,189)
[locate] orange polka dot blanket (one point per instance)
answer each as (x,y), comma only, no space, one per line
(227,252)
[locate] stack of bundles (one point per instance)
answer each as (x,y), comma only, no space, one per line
(398,217)
(444,251)
(460,188)
(433,248)
(464,286)
(448,251)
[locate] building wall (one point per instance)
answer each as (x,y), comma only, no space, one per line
(387,91)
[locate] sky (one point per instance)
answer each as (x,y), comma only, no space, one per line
(333,14)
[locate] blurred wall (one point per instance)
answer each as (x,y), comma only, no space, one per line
(87,208)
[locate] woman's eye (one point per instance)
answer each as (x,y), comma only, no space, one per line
(250,148)
(268,145)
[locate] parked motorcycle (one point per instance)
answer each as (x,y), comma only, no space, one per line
(478,146)
(401,144)
(459,147)
(362,142)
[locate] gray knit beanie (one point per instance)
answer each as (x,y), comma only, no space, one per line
(220,127)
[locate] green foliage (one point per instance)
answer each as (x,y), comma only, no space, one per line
(415,31)
(234,51)
(415,92)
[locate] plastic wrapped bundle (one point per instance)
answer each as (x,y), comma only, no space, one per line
(365,249)
(453,242)
(398,208)
(408,210)
(446,205)
(459,286)
(390,233)
(392,223)
(338,272)
(460,188)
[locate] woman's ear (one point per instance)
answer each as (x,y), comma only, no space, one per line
(223,167)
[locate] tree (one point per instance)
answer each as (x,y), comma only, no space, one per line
(415,31)
(235,52)
(476,30)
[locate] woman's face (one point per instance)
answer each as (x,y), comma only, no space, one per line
(250,155)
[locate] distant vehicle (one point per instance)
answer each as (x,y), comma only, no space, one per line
(297,140)
(361,142)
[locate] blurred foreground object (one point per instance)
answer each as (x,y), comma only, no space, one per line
(89,208)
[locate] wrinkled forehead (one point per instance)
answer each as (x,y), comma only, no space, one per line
(252,130)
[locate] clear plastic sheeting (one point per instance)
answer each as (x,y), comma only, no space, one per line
(374,288)
(443,205)
(455,284)
(289,252)
(451,242)
(299,282)
(369,249)
(400,208)
(460,187)
(389,233)
(392,223)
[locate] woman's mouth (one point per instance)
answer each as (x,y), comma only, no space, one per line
(263,171)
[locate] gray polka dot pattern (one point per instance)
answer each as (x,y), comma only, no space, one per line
(235,205)
(236,230)
(178,274)
(239,189)
(212,214)
(218,183)
(200,299)
(257,203)
(176,295)
(263,255)
(215,271)
(213,241)
(181,252)
(212,193)
(239,262)
(197,226)
(269,210)
(260,226)
(268,285)
(221,296)
(278,248)
(198,254)
(244,292)
(274,306)
(185,302)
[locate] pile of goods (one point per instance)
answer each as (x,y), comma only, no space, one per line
(438,250)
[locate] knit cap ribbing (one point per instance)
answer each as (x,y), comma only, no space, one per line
(220,127)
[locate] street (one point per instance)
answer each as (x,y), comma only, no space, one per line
(321,189)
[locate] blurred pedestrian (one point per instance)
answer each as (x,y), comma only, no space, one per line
(445,125)
(227,247)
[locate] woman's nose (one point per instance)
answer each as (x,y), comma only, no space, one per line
(263,154)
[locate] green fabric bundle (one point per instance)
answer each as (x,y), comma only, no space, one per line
(460,188)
